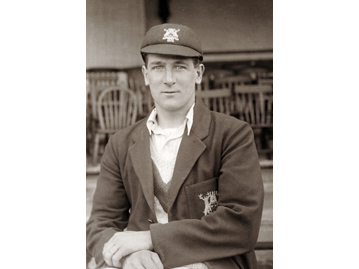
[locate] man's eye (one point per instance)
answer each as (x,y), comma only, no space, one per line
(180,67)
(157,67)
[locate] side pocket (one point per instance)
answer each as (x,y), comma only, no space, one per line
(202,198)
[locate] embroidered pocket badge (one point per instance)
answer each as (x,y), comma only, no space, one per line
(171,34)
(210,202)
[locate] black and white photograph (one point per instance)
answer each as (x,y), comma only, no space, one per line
(179,124)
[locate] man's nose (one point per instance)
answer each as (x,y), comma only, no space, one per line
(169,79)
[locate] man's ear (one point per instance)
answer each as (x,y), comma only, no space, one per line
(145,74)
(199,71)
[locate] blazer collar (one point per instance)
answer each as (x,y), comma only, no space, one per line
(190,150)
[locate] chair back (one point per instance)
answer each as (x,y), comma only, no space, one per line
(87,115)
(254,104)
(116,108)
(97,82)
(217,99)
(88,98)
(215,74)
(145,101)
(265,81)
(232,81)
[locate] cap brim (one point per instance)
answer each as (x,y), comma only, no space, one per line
(168,49)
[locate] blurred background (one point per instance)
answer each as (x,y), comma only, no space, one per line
(237,40)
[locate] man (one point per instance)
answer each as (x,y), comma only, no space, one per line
(181,188)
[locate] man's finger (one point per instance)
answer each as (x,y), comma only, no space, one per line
(156,260)
(129,263)
(116,263)
(116,258)
(108,254)
(109,246)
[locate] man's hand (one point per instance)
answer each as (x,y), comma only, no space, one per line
(143,259)
(123,244)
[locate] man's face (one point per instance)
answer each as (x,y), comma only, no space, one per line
(172,81)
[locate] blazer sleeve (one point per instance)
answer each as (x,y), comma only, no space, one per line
(110,210)
(233,228)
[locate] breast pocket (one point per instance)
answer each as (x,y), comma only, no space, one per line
(202,198)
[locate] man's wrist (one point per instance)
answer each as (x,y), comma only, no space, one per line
(148,239)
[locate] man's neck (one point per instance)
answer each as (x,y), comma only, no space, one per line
(171,119)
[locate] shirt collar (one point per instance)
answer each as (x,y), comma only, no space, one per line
(152,121)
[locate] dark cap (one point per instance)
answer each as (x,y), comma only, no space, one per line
(172,39)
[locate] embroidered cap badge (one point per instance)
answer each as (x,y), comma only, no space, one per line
(171,34)
(210,202)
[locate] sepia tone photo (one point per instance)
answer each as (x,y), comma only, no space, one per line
(179,134)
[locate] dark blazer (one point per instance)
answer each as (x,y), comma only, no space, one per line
(218,155)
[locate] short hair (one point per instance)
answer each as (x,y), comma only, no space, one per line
(196,60)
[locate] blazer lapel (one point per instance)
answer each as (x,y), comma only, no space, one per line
(141,160)
(190,149)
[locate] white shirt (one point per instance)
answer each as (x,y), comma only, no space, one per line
(164,145)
